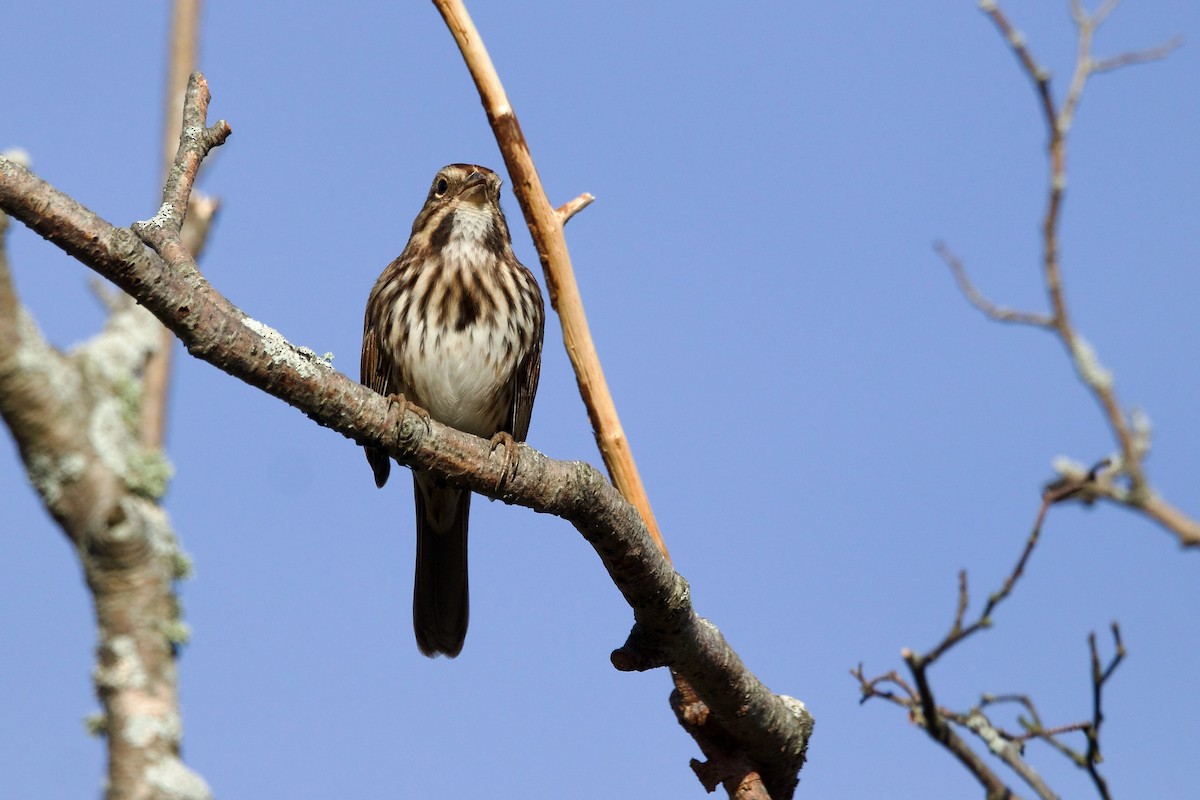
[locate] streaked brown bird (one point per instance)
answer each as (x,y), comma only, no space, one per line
(454,326)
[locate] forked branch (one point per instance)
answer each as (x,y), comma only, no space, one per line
(940,723)
(1129,485)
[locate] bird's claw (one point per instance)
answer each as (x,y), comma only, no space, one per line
(404,404)
(512,455)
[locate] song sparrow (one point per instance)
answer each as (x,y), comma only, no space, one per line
(454,325)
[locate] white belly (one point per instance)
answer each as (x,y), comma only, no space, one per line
(462,378)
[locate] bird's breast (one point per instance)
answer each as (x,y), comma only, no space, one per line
(455,342)
(462,377)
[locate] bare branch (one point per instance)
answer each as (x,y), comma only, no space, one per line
(919,699)
(1100,676)
(546,227)
(1136,57)
(1086,65)
(933,720)
(726,766)
(195,142)
(870,688)
(1101,14)
(1016,40)
(958,631)
(1004,747)
(1139,495)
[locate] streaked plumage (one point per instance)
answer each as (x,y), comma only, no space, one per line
(455,325)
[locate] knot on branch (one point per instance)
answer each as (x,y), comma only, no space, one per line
(639,653)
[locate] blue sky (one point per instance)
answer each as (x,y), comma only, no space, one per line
(827,431)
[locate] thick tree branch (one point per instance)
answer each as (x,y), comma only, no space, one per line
(89,426)
(771,730)
(46,405)
(73,417)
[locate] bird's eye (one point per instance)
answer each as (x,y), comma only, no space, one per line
(441,187)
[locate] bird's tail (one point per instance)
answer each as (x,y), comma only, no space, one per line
(440,599)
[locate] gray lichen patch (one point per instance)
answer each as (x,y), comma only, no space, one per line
(108,434)
(161,534)
(148,472)
(96,724)
(181,565)
(129,338)
(36,357)
(128,391)
(111,434)
(172,779)
(143,729)
(281,351)
(122,668)
(176,631)
(49,474)
(1087,363)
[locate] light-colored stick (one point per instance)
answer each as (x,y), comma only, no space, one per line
(546,227)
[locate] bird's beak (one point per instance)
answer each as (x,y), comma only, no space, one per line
(475,189)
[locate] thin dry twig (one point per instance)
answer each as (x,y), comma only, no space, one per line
(918,697)
(163,230)
(1100,676)
(1139,57)
(958,631)
(546,227)
(977,299)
